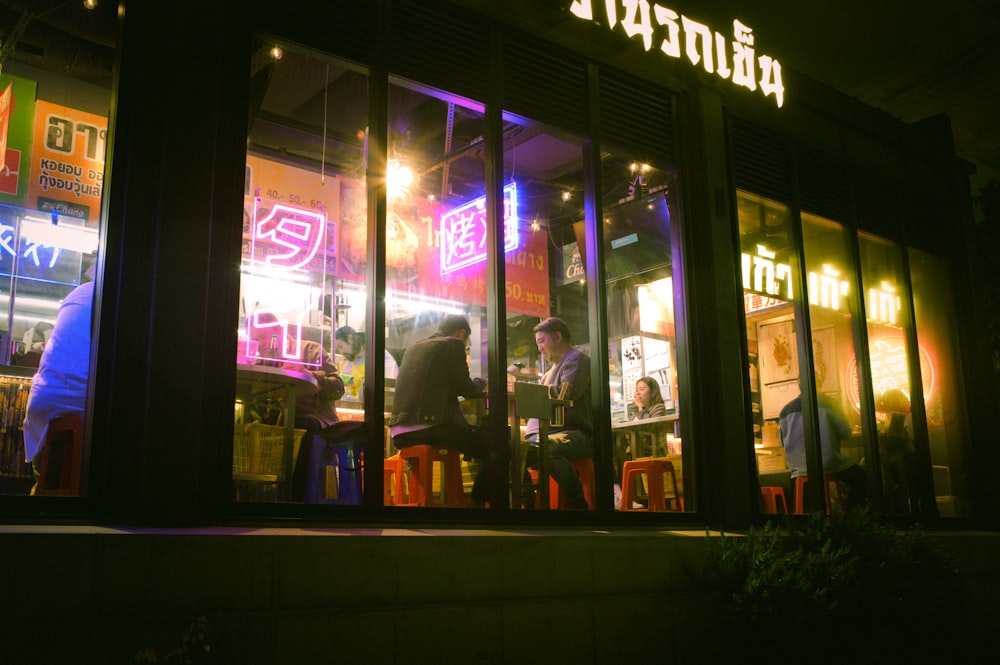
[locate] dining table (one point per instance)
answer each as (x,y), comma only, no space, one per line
(281,385)
(630,434)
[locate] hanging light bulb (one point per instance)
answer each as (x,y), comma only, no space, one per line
(276,52)
(90,4)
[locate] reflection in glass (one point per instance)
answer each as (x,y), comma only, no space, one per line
(885,299)
(934,313)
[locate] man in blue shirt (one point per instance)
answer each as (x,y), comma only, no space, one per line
(833,428)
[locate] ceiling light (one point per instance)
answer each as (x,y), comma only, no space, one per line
(90,4)
(276,52)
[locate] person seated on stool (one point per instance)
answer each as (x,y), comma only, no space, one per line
(59,387)
(350,345)
(833,428)
(432,376)
(648,400)
(315,412)
(572,439)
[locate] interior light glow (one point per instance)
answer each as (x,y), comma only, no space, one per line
(398,180)
(62,236)
(90,4)
(276,53)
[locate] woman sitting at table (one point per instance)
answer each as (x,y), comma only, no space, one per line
(648,399)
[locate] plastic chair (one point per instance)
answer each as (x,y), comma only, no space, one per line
(62,456)
(828,481)
(770,495)
(654,469)
(421,459)
(392,482)
(557,500)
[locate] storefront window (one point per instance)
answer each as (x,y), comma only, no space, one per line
(304,244)
(643,284)
(798,437)
(438,451)
(832,304)
(887,311)
(934,313)
(548,323)
(54,129)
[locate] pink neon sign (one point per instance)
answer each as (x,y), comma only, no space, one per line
(463,231)
(299,233)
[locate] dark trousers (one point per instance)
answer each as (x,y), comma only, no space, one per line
(473,442)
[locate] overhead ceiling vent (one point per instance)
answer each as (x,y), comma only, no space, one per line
(545,83)
(438,44)
(824,185)
(637,115)
(761,162)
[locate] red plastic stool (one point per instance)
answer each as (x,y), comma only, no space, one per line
(422,459)
(654,469)
(584,468)
(63,442)
(828,481)
(770,495)
(392,482)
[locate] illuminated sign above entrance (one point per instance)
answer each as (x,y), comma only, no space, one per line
(735,60)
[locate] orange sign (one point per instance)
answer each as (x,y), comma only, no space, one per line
(67,162)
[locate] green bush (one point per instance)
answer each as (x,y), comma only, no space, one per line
(836,587)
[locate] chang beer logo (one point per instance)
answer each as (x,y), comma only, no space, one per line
(676,36)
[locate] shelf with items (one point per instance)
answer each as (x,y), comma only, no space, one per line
(14,388)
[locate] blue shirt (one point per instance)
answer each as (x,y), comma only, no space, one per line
(833,428)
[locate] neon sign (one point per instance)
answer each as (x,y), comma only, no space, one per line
(463,231)
(884,304)
(889,369)
(763,275)
(825,289)
(299,232)
(702,45)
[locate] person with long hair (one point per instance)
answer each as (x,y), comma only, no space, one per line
(648,399)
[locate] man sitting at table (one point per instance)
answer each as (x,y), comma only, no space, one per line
(572,439)
(432,376)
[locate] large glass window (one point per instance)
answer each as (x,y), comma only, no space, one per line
(804,425)
(548,322)
(887,311)
(51,185)
(304,246)
(934,312)
(643,274)
(439,451)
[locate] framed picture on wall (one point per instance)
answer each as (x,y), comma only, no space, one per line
(825,359)
(776,352)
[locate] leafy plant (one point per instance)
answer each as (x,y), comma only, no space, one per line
(836,587)
(194,647)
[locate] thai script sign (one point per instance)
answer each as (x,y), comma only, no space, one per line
(677,36)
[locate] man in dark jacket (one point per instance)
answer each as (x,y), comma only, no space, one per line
(432,376)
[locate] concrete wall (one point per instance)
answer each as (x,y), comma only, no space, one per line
(73,595)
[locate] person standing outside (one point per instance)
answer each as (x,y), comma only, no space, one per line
(573,439)
(433,374)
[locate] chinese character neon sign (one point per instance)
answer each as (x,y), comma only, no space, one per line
(299,232)
(701,44)
(884,304)
(463,231)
